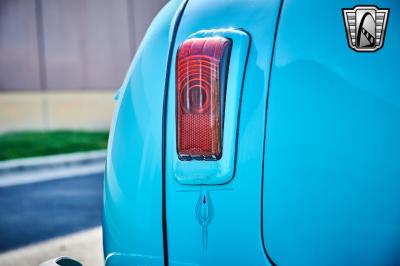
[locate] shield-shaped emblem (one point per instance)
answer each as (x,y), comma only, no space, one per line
(366,27)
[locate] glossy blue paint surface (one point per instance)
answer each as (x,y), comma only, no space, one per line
(221,224)
(332,160)
(315,177)
(132,225)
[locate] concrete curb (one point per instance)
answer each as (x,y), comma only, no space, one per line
(52,161)
(30,170)
(85,246)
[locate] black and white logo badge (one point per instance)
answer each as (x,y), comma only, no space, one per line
(366,27)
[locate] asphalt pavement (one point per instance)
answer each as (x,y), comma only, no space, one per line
(40,211)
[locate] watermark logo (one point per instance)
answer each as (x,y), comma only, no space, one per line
(366,27)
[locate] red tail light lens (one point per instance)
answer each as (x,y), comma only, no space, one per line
(201,70)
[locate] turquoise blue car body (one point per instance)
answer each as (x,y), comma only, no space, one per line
(312,176)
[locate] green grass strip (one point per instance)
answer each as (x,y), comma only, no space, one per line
(39,143)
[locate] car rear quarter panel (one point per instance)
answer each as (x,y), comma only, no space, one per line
(132,224)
